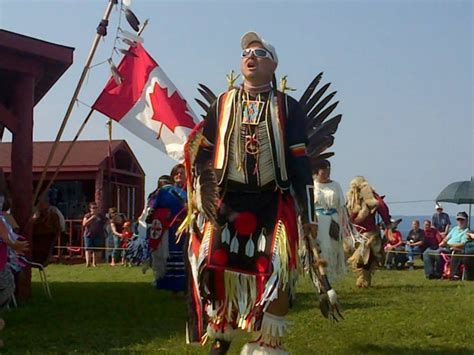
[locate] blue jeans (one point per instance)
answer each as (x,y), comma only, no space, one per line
(469,261)
(411,250)
(117,254)
(395,259)
(433,263)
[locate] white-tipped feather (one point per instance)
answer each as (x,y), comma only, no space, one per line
(115,73)
(129,42)
(225,235)
(234,245)
(250,248)
(131,36)
(261,242)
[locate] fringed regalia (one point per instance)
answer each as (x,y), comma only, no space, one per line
(167,250)
(364,204)
(245,256)
(331,210)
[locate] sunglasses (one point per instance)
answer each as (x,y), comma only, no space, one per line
(257,52)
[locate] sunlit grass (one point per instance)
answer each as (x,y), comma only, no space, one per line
(116,310)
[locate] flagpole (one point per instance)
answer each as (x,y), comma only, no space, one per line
(109,164)
(81,128)
(100,33)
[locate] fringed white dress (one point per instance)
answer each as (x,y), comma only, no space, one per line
(330,206)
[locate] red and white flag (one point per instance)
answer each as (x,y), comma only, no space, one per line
(148,104)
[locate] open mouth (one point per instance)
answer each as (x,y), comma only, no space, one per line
(251,65)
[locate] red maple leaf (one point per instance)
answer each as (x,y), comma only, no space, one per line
(170,111)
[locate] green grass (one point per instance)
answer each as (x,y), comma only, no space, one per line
(116,310)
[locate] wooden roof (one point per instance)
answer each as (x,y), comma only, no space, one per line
(87,155)
(22,54)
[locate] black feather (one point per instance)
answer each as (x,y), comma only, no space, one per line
(206,96)
(321,104)
(309,106)
(132,20)
(209,193)
(327,128)
(310,89)
(203,105)
(211,97)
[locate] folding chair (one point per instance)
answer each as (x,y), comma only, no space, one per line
(42,273)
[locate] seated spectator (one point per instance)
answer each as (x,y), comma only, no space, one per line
(393,245)
(441,221)
(433,263)
(46,230)
(454,244)
(468,259)
(414,243)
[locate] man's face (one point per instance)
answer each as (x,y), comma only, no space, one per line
(415,225)
(439,210)
(427,225)
(256,70)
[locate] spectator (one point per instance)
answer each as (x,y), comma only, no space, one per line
(432,261)
(109,240)
(127,234)
(117,221)
(393,246)
(8,239)
(468,259)
(454,243)
(414,243)
(440,220)
(46,231)
(94,233)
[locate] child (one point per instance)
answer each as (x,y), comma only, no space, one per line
(126,235)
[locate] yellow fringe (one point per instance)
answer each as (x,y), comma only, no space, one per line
(283,250)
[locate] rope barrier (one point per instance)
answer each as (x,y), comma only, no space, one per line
(91,248)
(431,253)
(387,251)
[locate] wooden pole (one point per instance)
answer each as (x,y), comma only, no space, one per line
(81,128)
(92,51)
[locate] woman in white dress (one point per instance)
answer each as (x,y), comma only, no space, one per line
(332,220)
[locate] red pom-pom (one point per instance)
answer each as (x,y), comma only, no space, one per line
(245,223)
(220,257)
(262,263)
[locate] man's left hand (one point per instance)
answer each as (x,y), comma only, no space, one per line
(310,230)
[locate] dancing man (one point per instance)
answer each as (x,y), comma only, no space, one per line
(244,258)
(363,204)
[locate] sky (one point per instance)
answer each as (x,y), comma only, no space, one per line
(403,71)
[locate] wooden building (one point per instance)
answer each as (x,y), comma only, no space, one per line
(88,175)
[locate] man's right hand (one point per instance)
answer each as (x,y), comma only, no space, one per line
(20,246)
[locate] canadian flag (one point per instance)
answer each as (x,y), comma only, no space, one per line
(148,104)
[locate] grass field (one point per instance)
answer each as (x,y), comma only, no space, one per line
(116,310)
